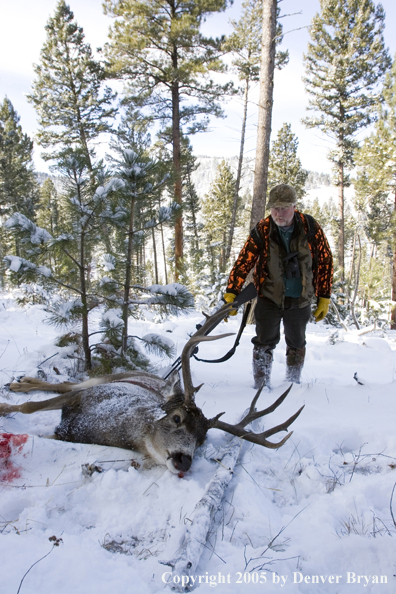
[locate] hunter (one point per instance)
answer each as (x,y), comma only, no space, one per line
(293,263)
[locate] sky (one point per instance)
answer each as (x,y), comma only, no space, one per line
(22,35)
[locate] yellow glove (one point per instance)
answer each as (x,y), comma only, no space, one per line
(322,309)
(229,298)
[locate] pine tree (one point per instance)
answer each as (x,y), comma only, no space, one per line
(193,259)
(78,249)
(133,212)
(48,215)
(19,190)
(376,179)
(266,95)
(217,214)
(245,43)
(73,246)
(18,185)
(284,166)
(157,47)
(72,105)
(345,62)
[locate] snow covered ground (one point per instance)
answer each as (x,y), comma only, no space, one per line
(313,516)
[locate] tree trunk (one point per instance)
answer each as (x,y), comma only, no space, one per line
(341,237)
(178,180)
(352,269)
(164,253)
(393,296)
(356,285)
(128,276)
(267,68)
(84,301)
(155,257)
(239,173)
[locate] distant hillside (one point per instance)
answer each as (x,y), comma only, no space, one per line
(203,177)
(317,180)
(41,177)
(205,174)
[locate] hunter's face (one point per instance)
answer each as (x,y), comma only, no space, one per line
(283,216)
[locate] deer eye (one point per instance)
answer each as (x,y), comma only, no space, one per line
(177,419)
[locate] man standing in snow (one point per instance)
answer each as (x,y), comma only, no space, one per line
(293,262)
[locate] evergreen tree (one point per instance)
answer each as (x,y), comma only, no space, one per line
(132,214)
(48,215)
(376,180)
(193,259)
(72,106)
(245,45)
(77,247)
(266,95)
(73,245)
(19,190)
(18,185)
(133,129)
(284,166)
(156,45)
(217,214)
(345,62)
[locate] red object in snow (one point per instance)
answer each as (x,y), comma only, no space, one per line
(10,445)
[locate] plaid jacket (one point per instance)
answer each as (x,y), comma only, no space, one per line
(253,254)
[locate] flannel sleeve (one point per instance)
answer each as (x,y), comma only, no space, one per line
(324,266)
(245,262)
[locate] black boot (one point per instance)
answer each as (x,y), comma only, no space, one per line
(294,364)
(262,363)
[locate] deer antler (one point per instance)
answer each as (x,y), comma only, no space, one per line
(259,438)
(200,336)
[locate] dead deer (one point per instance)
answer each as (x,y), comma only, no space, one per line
(143,412)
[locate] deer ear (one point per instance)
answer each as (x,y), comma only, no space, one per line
(172,386)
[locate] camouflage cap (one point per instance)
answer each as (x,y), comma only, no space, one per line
(281,196)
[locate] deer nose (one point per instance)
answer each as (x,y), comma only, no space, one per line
(181,461)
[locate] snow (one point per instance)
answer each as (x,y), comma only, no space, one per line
(113,318)
(14,263)
(152,337)
(171,289)
(37,235)
(292,519)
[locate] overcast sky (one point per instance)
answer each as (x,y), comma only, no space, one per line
(22,35)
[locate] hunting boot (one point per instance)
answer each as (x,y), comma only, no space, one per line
(262,363)
(294,364)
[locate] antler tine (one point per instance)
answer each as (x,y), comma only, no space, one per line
(253,414)
(258,438)
(200,336)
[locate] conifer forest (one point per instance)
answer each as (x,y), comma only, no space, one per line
(110,234)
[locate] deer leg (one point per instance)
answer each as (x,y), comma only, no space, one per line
(27,408)
(28,384)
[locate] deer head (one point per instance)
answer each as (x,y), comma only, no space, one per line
(143,412)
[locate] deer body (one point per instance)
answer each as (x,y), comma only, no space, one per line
(136,410)
(129,416)
(143,412)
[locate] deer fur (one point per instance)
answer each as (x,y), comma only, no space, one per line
(143,412)
(136,410)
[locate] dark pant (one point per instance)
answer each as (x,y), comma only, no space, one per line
(268,319)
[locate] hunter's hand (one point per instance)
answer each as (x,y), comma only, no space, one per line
(229,298)
(321,309)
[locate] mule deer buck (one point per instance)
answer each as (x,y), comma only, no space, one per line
(143,412)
